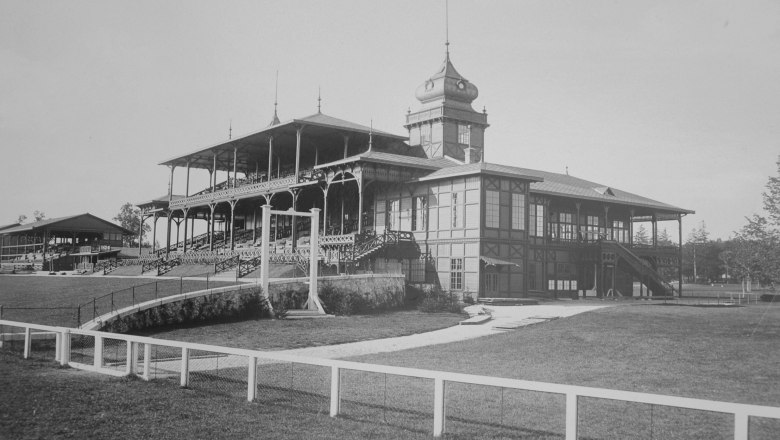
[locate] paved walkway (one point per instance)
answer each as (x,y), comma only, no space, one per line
(503,316)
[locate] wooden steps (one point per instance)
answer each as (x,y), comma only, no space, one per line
(306,314)
(508,301)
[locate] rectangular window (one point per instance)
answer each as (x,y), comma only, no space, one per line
(619,231)
(418,213)
(416,271)
(456,274)
(518,211)
(457,209)
(464,134)
(566,226)
(592,229)
(393,214)
(537,220)
(492,209)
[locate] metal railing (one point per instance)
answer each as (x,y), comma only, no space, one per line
(347,388)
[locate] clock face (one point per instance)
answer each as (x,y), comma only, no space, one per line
(461,85)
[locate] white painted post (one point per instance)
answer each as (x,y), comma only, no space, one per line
(265,250)
(335,391)
(65,349)
(98,362)
(132,357)
(314,247)
(251,380)
(147,360)
(571,416)
(57,346)
(741,426)
(438,407)
(185,366)
(27,342)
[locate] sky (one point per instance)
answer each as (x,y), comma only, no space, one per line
(678,101)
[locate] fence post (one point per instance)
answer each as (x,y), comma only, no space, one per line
(185,366)
(147,360)
(27,342)
(65,349)
(94,308)
(133,296)
(571,416)
(741,426)
(335,391)
(251,379)
(438,407)
(98,361)
(132,357)
(181,285)
(112,301)
(57,346)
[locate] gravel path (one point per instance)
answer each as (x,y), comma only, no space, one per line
(503,316)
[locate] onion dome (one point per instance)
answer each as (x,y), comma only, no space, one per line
(447,85)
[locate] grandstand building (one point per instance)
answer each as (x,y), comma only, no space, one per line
(425,204)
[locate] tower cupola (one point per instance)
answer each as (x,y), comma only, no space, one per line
(446,125)
(447,85)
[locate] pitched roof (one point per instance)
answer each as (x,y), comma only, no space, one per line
(53,222)
(570,186)
(9,226)
(480,168)
(394,159)
(324,120)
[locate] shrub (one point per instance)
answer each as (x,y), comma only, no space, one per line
(220,307)
(770,297)
(435,300)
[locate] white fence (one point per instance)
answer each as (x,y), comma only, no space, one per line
(330,384)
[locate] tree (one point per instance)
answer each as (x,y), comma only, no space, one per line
(696,238)
(753,253)
(772,197)
(664,239)
(21,219)
(640,236)
(39,215)
(129,217)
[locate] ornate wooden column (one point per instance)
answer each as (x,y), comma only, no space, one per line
(359,179)
(232,222)
(298,134)
(187,187)
(154,231)
(270,156)
(170,184)
(213,175)
(211,226)
(235,161)
(184,245)
(679,255)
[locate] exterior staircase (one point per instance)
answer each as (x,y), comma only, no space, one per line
(639,268)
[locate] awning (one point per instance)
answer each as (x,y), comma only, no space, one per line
(490,261)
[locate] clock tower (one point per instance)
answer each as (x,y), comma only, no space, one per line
(446,125)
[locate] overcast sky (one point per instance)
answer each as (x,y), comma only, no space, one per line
(677,100)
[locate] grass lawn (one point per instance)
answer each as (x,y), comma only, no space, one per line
(52,300)
(274,334)
(81,405)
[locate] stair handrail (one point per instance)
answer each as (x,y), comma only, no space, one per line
(226,264)
(640,264)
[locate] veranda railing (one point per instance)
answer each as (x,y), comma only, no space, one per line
(327,382)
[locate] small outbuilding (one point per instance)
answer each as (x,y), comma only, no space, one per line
(64,243)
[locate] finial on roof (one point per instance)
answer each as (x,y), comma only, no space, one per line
(447,28)
(567,170)
(484,110)
(230,130)
(371,135)
(319,99)
(275,119)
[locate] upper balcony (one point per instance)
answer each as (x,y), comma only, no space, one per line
(252,186)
